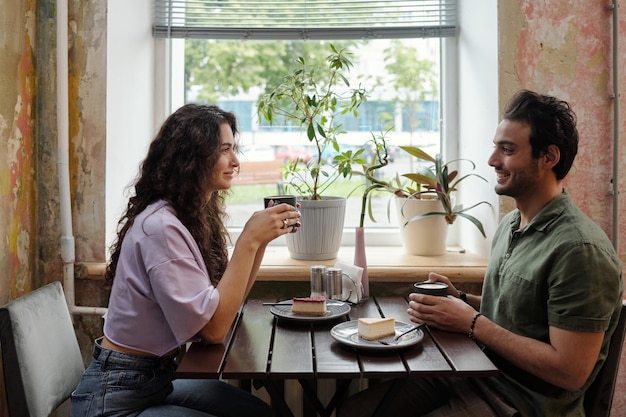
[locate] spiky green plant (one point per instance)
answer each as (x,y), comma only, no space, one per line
(435,181)
(441,180)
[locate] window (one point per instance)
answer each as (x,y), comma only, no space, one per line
(233,50)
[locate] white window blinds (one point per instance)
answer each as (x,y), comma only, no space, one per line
(304,19)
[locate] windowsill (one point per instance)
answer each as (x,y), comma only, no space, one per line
(384,264)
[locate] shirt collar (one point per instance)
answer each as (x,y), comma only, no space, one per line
(546,216)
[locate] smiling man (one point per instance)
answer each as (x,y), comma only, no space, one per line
(551,295)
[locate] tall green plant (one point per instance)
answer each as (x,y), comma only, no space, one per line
(310,97)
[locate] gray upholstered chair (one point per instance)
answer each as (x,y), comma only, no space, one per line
(40,354)
(599,396)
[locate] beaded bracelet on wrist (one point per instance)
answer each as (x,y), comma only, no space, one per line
(471,330)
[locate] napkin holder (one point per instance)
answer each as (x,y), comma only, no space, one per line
(352,287)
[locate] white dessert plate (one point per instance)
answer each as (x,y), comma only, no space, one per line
(348,334)
(334,309)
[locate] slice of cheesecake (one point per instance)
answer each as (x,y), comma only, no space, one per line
(374,329)
(309,306)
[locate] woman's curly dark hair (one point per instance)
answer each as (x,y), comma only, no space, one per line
(179,169)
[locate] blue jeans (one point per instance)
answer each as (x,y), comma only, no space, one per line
(119,384)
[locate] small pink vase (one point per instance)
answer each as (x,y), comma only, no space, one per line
(360,260)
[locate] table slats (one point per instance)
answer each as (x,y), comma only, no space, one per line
(465,356)
(292,354)
(395,307)
(201,361)
(250,348)
(333,359)
(205,361)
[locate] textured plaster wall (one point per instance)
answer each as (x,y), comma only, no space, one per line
(17,144)
(29,204)
(18,193)
(564,48)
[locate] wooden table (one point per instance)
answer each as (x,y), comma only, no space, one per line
(269,350)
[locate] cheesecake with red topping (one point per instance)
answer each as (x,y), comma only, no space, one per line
(309,306)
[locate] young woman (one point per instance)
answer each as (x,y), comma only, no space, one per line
(171,280)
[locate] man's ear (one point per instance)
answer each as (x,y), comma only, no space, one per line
(551,157)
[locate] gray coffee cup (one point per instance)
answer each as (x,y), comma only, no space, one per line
(431,288)
(279,199)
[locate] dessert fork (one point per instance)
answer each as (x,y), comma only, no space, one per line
(394,341)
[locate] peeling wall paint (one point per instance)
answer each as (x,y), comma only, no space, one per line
(18,199)
(17,173)
(22,186)
(563,48)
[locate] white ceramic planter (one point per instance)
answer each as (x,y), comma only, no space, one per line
(425,237)
(319,237)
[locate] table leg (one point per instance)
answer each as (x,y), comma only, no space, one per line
(276,395)
(340,392)
(395,387)
(310,391)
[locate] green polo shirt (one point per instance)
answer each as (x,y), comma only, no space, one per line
(560,270)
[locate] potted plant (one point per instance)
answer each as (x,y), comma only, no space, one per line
(425,203)
(311,98)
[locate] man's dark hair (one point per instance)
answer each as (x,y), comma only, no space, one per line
(551,121)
